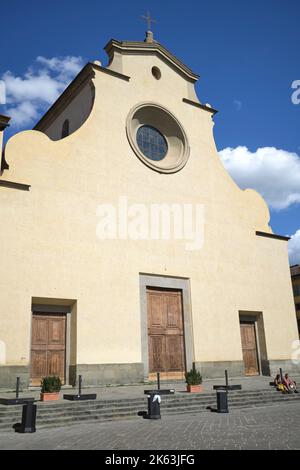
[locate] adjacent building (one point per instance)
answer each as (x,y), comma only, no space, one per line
(295,273)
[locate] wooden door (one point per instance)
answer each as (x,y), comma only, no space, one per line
(165,333)
(48,346)
(249,348)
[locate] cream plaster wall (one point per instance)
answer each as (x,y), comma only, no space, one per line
(49,246)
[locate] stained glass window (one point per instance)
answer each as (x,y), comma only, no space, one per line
(151,142)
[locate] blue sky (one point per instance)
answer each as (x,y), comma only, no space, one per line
(246,53)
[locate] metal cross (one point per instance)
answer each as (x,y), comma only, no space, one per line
(149,20)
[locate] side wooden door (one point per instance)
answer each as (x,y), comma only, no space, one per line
(249,348)
(165,333)
(48,346)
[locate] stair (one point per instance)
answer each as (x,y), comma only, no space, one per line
(65,413)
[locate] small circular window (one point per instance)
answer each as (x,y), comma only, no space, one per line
(151,142)
(156,73)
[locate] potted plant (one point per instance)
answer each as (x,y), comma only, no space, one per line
(51,386)
(193,379)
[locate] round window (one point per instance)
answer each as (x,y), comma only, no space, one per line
(157,137)
(151,142)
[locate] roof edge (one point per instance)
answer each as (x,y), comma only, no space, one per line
(67,95)
(131,46)
(272,235)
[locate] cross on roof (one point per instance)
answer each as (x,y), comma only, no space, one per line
(149,20)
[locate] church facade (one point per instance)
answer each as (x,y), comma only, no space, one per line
(126,248)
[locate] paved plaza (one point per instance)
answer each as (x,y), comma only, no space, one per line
(269,427)
(106,392)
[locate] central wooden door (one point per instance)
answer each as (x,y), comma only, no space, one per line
(165,333)
(249,348)
(48,346)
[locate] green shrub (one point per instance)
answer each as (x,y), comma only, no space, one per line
(50,384)
(193,377)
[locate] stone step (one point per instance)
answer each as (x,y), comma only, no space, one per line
(98,407)
(99,404)
(68,420)
(64,407)
(132,406)
(180,394)
(176,399)
(60,414)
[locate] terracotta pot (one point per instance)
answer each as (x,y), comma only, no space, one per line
(194,388)
(47,396)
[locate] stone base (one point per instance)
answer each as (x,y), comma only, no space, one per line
(106,374)
(9,374)
(216,370)
(92,375)
(286,366)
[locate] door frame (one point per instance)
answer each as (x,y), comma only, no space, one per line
(52,310)
(252,321)
(262,356)
(168,282)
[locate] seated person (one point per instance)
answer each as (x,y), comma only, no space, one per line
(277,380)
(290,384)
(281,387)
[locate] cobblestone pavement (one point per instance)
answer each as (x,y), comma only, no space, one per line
(269,427)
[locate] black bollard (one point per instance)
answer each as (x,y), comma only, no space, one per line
(16,400)
(281,375)
(226,378)
(158,380)
(154,400)
(80,396)
(17,387)
(28,419)
(222,398)
(222,395)
(79,385)
(226,382)
(153,407)
(222,401)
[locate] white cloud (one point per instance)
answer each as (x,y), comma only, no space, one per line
(66,67)
(274,173)
(294,248)
(23,113)
(28,96)
(40,87)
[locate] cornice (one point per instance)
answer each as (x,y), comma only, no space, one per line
(4,120)
(272,235)
(199,105)
(14,185)
(149,47)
